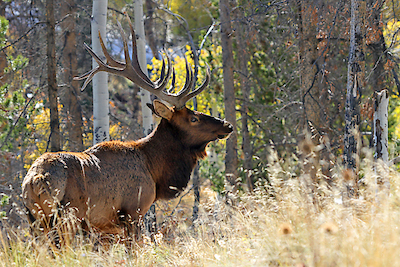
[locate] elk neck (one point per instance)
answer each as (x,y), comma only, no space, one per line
(169,159)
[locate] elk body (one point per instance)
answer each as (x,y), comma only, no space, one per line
(115,180)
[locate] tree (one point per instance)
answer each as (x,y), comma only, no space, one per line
(308,68)
(100,80)
(3,27)
(70,96)
(355,85)
(243,59)
(55,140)
(149,28)
(231,163)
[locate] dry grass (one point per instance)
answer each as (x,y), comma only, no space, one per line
(301,225)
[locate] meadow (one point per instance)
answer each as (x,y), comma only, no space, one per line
(290,221)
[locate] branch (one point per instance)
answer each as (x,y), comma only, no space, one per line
(179,202)
(394,161)
(19,116)
(24,35)
(31,29)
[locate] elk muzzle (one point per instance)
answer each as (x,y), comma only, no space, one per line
(226,130)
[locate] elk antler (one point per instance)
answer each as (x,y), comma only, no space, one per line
(132,71)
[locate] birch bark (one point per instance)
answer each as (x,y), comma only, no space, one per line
(100,80)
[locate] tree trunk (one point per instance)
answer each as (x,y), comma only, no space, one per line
(355,84)
(377,45)
(70,96)
(229,92)
(308,69)
(381,137)
(243,58)
(308,20)
(196,192)
(55,140)
(381,125)
(3,56)
(100,80)
(148,123)
(149,28)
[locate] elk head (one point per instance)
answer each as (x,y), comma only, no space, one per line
(195,129)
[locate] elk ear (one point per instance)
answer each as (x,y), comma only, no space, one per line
(162,110)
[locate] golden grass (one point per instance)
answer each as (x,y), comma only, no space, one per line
(300,225)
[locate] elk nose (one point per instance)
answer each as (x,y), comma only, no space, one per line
(228,125)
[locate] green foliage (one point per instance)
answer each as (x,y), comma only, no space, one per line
(16,64)
(212,168)
(5,200)
(12,102)
(12,97)
(3,31)
(203,11)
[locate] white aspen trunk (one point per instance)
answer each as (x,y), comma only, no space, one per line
(100,80)
(381,139)
(381,125)
(147,117)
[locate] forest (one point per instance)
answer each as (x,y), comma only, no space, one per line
(309,175)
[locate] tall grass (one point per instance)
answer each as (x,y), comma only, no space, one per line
(289,222)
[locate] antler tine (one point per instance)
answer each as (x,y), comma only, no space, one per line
(171,88)
(88,76)
(163,80)
(110,61)
(180,98)
(195,92)
(188,81)
(135,60)
(122,69)
(125,44)
(101,67)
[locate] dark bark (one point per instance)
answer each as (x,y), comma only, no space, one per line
(196,191)
(308,69)
(55,141)
(229,91)
(376,43)
(243,58)
(149,28)
(355,85)
(3,56)
(70,96)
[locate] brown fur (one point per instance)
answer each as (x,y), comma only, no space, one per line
(118,178)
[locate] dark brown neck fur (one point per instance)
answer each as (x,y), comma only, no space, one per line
(169,160)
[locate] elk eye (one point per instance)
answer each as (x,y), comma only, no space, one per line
(194,119)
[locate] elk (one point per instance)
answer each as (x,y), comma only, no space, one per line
(115,180)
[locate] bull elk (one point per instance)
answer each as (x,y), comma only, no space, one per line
(114,180)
